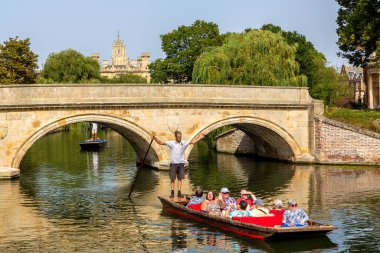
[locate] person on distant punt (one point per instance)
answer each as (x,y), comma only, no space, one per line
(294,217)
(227,201)
(94,131)
(177,159)
(197,198)
(247,196)
(259,209)
(243,212)
(277,208)
(211,205)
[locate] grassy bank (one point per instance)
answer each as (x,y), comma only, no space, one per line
(361,118)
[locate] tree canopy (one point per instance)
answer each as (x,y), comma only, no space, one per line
(324,82)
(126,78)
(256,57)
(306,55)
(358,30)
(329,86)
(70,66)
(182,46)
(18,63)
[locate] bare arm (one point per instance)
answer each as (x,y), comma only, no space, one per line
(204,205)
(252,196)
(201,136)
(158,141)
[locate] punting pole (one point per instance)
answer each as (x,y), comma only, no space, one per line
(138,171)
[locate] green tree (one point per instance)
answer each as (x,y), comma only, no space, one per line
(306,55)
(182,46)
(256,57)
(358,29)
(330,86)
(159,71)
(127,78)
(18,63)
(70,66)
(324,82)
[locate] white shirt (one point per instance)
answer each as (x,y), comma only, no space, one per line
(94,127)
(177,154)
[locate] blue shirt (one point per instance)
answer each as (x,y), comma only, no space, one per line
(229,200)
(292,218)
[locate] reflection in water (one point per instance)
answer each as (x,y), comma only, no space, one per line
(178,235)
(67,200)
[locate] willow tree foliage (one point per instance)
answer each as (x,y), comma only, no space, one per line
(182,46)
(307,55)
(358,29)
(18,63)
(256,57)
(70,66)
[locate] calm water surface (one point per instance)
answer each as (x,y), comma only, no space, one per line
(68,200)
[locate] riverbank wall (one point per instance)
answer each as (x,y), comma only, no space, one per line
(340,143)
(335,143)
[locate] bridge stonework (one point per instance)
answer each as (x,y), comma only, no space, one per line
(279,119)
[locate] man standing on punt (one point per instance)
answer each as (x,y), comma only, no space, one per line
(177,159)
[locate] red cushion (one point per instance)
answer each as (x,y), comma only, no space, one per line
(266,221)
(196,207)
(278,212)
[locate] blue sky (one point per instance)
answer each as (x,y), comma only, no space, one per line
(91,25)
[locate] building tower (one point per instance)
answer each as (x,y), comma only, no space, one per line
(119,55)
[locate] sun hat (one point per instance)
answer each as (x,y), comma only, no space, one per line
(224,190)
(277,202)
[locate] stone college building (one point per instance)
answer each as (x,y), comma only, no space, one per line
(121,64)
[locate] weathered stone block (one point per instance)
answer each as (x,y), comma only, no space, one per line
(8,173)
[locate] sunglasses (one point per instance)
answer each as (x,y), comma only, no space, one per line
(293,205)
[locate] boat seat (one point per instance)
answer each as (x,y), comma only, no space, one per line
(266,221)
(196,207)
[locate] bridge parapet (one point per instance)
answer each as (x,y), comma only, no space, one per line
(129,94)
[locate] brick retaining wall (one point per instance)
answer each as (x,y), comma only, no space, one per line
(337,142)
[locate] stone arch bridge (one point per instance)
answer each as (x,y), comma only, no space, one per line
(279,119)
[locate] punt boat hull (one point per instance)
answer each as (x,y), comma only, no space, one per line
(244,229)
(92,144)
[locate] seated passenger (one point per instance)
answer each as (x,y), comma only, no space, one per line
(197,198)
(294,217)
(260,210)
(243,212)
(226,200)
(247,196)
(211,205)
(277,208)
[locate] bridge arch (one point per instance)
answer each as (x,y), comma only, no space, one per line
(271,140)
(138,137)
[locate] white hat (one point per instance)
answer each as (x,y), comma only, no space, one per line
(224,190)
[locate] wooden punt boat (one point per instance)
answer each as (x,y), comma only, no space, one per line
(244,229)
(92,144)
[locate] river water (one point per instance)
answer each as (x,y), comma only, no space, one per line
(67,200)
